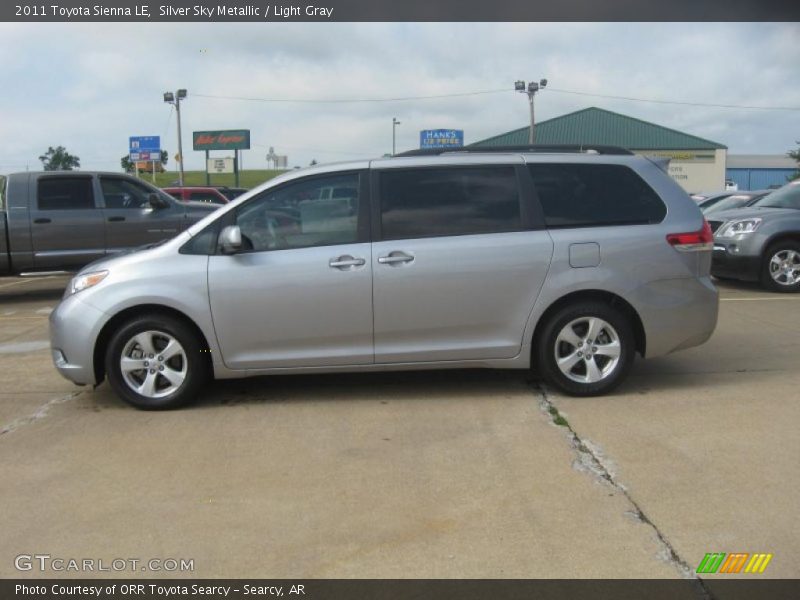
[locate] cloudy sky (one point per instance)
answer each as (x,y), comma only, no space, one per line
(90,86)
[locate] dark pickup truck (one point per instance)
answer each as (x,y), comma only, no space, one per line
(63,220)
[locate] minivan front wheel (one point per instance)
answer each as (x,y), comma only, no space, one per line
(586,349)
(155,362)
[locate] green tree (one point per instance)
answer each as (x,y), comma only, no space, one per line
(795,154)
(58,159)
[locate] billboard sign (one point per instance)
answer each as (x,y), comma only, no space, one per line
(441,138)
(144,148)
(231,139)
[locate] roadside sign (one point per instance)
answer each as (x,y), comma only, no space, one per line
(441,138)
(229,139)
(144,148)
(220,165)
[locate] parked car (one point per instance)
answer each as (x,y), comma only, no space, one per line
(231,193)
(761,242)
(63,220)
(737,200)
(197,194)
(570,261)
(708,199)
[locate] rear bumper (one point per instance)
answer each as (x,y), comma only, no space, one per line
(726,263)
(677,313)
(74,327)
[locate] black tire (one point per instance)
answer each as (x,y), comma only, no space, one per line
(546,348)
(194,370)
(766,275)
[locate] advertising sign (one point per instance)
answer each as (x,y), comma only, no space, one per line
(441,138)
(231,139)
(144,148)
(220,165)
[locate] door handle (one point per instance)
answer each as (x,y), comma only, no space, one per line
(115,219)
(394,258)
(42,220)
(346,262)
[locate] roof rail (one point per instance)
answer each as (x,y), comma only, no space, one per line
(546,148)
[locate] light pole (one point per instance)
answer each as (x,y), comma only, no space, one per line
(175,99)
(531,90)
(395,123)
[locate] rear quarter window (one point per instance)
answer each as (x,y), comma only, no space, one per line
(583,195)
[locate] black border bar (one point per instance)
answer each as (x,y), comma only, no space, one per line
(143,11)
(404,589)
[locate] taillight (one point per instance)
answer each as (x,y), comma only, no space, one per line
(693,241)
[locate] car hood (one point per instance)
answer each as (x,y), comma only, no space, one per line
(750,212)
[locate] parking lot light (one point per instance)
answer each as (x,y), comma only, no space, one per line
(175,99)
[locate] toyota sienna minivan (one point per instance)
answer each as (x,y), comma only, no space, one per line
(566,260)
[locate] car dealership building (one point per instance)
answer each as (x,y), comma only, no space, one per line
(696,164)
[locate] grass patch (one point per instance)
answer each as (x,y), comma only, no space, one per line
(557,418)
(247,179)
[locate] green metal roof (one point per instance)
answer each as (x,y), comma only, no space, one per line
(599,126)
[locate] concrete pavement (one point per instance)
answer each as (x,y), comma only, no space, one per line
(433,474)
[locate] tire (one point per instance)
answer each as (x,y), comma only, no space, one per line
(565,335)
(172,366)
(780,269)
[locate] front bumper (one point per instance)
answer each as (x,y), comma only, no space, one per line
(74,327)
(729,261)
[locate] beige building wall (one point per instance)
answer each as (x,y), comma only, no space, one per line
(694,170)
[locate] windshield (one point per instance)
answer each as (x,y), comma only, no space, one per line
(727,204)
(786,197)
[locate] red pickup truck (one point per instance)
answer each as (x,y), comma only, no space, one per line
(197,194)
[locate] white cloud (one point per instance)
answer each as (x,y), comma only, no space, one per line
(89,86)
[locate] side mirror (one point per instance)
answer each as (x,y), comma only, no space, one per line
(156,201)
(230,239)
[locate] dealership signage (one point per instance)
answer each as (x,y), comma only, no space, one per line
(441,138)
(231,139)
(144,148)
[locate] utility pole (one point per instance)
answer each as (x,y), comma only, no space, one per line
(175,99)
(531,90)
(395,123)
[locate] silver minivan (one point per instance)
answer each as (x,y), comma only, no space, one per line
(565,260)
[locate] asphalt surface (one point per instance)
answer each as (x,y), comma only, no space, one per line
(424,475)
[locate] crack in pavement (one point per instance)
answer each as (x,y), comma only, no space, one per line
(591,459)
(40,413)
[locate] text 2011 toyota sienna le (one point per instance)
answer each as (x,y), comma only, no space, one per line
(566,261)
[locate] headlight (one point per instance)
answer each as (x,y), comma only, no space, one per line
(740,227)
(85,281)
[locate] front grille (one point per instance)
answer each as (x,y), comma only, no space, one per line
(714,225)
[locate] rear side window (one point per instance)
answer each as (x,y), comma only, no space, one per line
(65,193)
(417,203)
(578,195)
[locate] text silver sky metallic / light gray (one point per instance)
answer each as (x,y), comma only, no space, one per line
(557,258)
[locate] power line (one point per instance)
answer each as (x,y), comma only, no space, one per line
(353,100)
(708,105)
(495,91)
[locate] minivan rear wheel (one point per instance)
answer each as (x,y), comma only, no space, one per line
(155,362)
(585,349)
